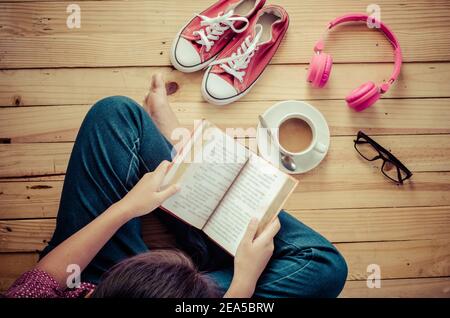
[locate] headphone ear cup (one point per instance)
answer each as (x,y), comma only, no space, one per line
(327,70)
(312,70)
(363,97)
(319,69)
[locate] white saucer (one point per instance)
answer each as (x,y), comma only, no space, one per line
(303,161)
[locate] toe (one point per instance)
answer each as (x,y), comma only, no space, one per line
(157,82)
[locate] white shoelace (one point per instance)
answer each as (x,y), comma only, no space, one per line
(239,60)
(216,27)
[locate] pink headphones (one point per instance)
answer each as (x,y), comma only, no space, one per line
(367,94)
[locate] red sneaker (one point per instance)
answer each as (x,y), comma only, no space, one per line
(241,63)
(199,42)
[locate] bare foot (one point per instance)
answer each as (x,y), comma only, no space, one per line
(157,105)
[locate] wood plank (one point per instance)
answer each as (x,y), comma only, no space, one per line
(84,86)
(390,116)
(338,226)
(40,198)
(41,124)
(29,199)
(333,189)
(116,33)
(25,235)
(424,153)
(398,259)
(325,191)
(12,265)
(34,159)
(386,224)
(34,234)
(404,288)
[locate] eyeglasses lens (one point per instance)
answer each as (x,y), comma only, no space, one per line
(366,150)
(391,171)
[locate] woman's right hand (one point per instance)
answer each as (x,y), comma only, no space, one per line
(146,195)
(251,258)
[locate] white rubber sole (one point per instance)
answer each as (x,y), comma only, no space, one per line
(222,102)
(182,68)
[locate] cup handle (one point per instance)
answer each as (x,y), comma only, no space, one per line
(320,147)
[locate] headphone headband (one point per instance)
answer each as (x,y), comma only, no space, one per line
(362,17)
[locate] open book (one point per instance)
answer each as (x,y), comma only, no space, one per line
(223,185)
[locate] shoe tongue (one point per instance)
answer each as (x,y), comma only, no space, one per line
(191,37)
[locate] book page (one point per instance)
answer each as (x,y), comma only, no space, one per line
(206,180)
(182,159)
(251,194)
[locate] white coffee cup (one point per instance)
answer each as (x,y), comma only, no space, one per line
(314,146)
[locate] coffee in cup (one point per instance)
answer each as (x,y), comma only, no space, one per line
(295,135)
(298,132)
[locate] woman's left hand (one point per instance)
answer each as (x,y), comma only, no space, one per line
(146,195)
(252,256)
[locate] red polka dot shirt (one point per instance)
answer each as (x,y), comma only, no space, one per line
(38,284)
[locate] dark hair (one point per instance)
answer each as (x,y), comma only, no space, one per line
(156,274)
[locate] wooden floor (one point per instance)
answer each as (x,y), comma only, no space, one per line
(50,75)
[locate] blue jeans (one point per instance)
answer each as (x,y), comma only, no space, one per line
(117,143)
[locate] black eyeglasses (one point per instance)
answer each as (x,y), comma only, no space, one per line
(370,150)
